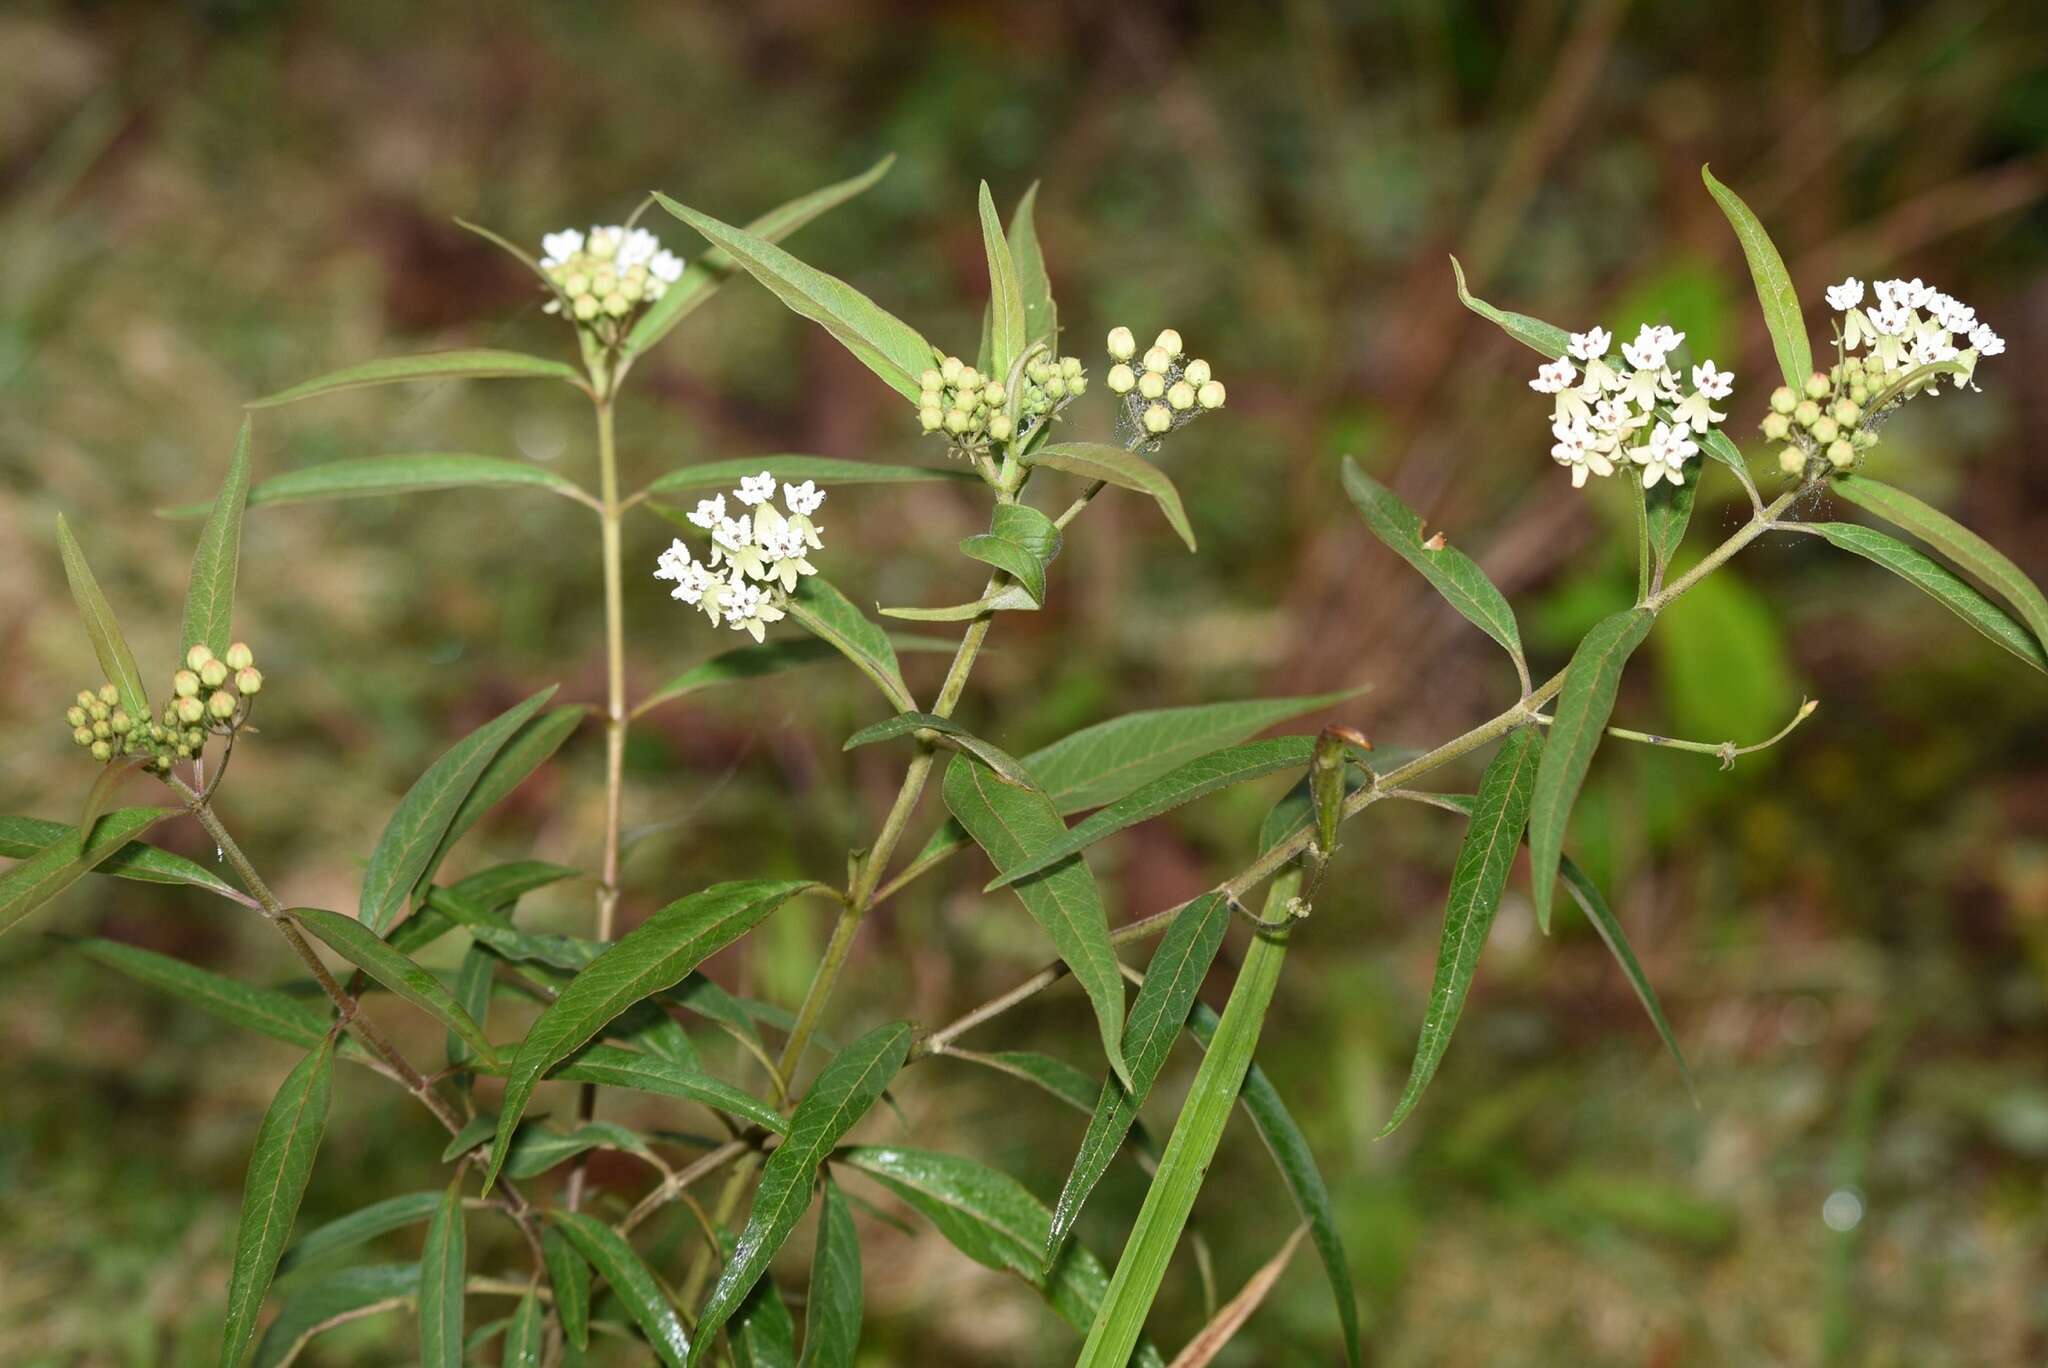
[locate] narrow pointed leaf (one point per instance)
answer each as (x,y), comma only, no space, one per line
(367,477)
(526,1335)
(530,747)
(1454,574)
(24,837)
(352,1294)
(1011,598)
(398,972)
(607,1251)
(713,268)
(1014,825)
(1586,894)
(1953,540)
(1162,1004)
(1005,298)
(1584,704)
(279,1166)
(1939,582)
(1224,1325)
(1006,766)
(1196,779)
(51,870)
(1774,288)
(117,662)
(616,1068)
(105,785)
(359,1227)
(1075,1087)
(266,1011)
(653,956)
(1533,333)
(769,658)
(1478,880)
(1041,317)
(1668,509)
(569,1276)
(827,614)
(1124,469)
(210,590)
(832,1311)
(844,1091)
(443,1261)
(485,897)
(476,363)
(1010,558)
(427,811)
(881,341)
(539,1148)
(761,1333)
(472,993)
(825,470)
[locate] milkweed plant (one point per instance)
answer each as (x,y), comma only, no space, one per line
(755,572)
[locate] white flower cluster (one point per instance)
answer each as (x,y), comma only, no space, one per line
(1634,411)
(609,272)
(1165,390)
(1910,324)
(756,558)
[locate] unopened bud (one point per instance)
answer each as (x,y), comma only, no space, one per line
(931,379)
(1121,379)
(1210,395)
(1152,384)
(1056,387)
(74,716)
(1070,366)
(97,711)
(103,729)
(1158,419)
(1077,385)
(1807,414)
(82,735)
(1181,397)
(213,674)
(1197,372)
(585,307)
(1841,454)
(1158,360)
(121,722)
(239,656)
(957,421)
(1848,412)
(1122,346)
(1825,429)
(999,427)
(1775,427)
(1792,461)
(109,695)
(221,706)
(929,418)
(969,379)
(994,394)
(185,684)
(190,710)
(196,739)
(102,750)
(1816,386)
(197,655)
(85,698)
(1168,341)
(1783,400)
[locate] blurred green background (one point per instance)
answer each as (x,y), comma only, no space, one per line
(204,202)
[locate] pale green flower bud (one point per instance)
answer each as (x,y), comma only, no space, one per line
(109,695)
(121,722)
(1181,396)
(1038,370)
(1863,438)
(197,656)
(190,710)
(1825,429)
(1859,393)
(74,716)
(950,368)
(213,673)
(85,698)
(1783,400)
(1197,372)
(1848,412)
(970,379)
(999,427)
(221,706)
(616,304)
(993,393)
(1077,386)
(957,421)
(1168,341)
(1807,414)
(1152,384)
(1121,379)
(1841,454)
(239,656)
(249,681)
(82,735)
(97,711)
(196,739)
(1122,346)
(1056,388)
(102,751)
(604,282)
(1776,426)
(1158,360)
(577,283)
(1158,419)
(184,751)
(1210,395)
(1817,386)
(1070,366)
(585,307)
(1792,461)
(931,379)
(103,729)
(929,417)
(185,684)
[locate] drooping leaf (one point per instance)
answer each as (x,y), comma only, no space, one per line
(1584,704)
(881,341)
(351,1294)
(607,1251)
(22,838)
(51,870)
(1073,1086)
(266,1011)
(825,470)
(1010,558)
(1009,598)
(1196,779)
(616,1068)
(1586,894)
(526,1335)
(844,1091)
(366,477)
(473,1133)
(1162,1004)
(1774,288)
(1006,766)
(398,972)
(1224,1325)
(1014,825)
(1478,880)
(832,1311)
(210,589)
(710,270)
(1041,317)
(569,1276)
(424,816)
(653,956)
(1124,469)
(827,614)
(279,1166)
(117,662)
(443,1267)
(1454,574)
(359,1227)
(1533,333)
(100,796)
(1953,540)
(1007,328)
(537,1149)
(1940,583)
(475,363)
(530,747)
(1668,509)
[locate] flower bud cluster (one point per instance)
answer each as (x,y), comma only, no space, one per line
(1164,388)
(756,558)
(977,411)
(202,703)
(1631,410)
(608,273)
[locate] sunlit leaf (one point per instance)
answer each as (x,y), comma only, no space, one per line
(24,837)
(827,614)
(1041,317)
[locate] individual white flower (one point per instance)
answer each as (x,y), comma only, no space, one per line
(603,243)
(804,500)
(756,489)
(1931,348)
(1646,353)
(1664,456)
(1592,344)
(665,266)
(1892,319)
(1578,448)
(637,247)
(1846,295)
(1857,329)
(748,608)
(672,563)
(1951,313)
(1601,378)
(733,544)
(1645,387)
(784,549)
(1985,342)
(557,248)
(1712,381)
(1553,376)
(1696,410)
(709,513)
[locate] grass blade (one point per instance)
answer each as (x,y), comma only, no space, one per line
(476,363)
(1940,583)
(638,1289)
(1774,288)
(117,662)
(279,1166)
(210,589)
(443,1261)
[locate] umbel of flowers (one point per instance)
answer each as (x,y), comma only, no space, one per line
(1632,411)
(1162,390)
(602,277)
(756,557)
(202,704)
(976,411)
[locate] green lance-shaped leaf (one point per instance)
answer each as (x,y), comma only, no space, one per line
(278,1168)
(1007,767)
(443,1266)
(638,1289)
(1041,317)
(1007,326)
(1014,825)
(1297,1164)
(472,993)
(267,1011)
(1162,1004)
(1532,333)
(1124,469)
(1010,558)
(1774,288)
(210,589)
(476,363)
(366,477)
(349,1295)
(117,662)
(525,1335)
(539,1148)
(530,747)
(1953,540)
(404,976)
(824,470)
(832,1311)
(1010,598)
(1454,574)
(1075,1087)
(1667,510)
(1478,880)
(1196,779)
(24,837)
(761,1334)
(882,342)
(653,956)
(826,613)
(1028,528)
(569,1276)
(995,1221)
(1939,582)
(51,870)
(711,269)
(483,898)
(359,1227)
(424,816)
(1584,704)
(844,1091)
(616,1068)
(1586,894)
